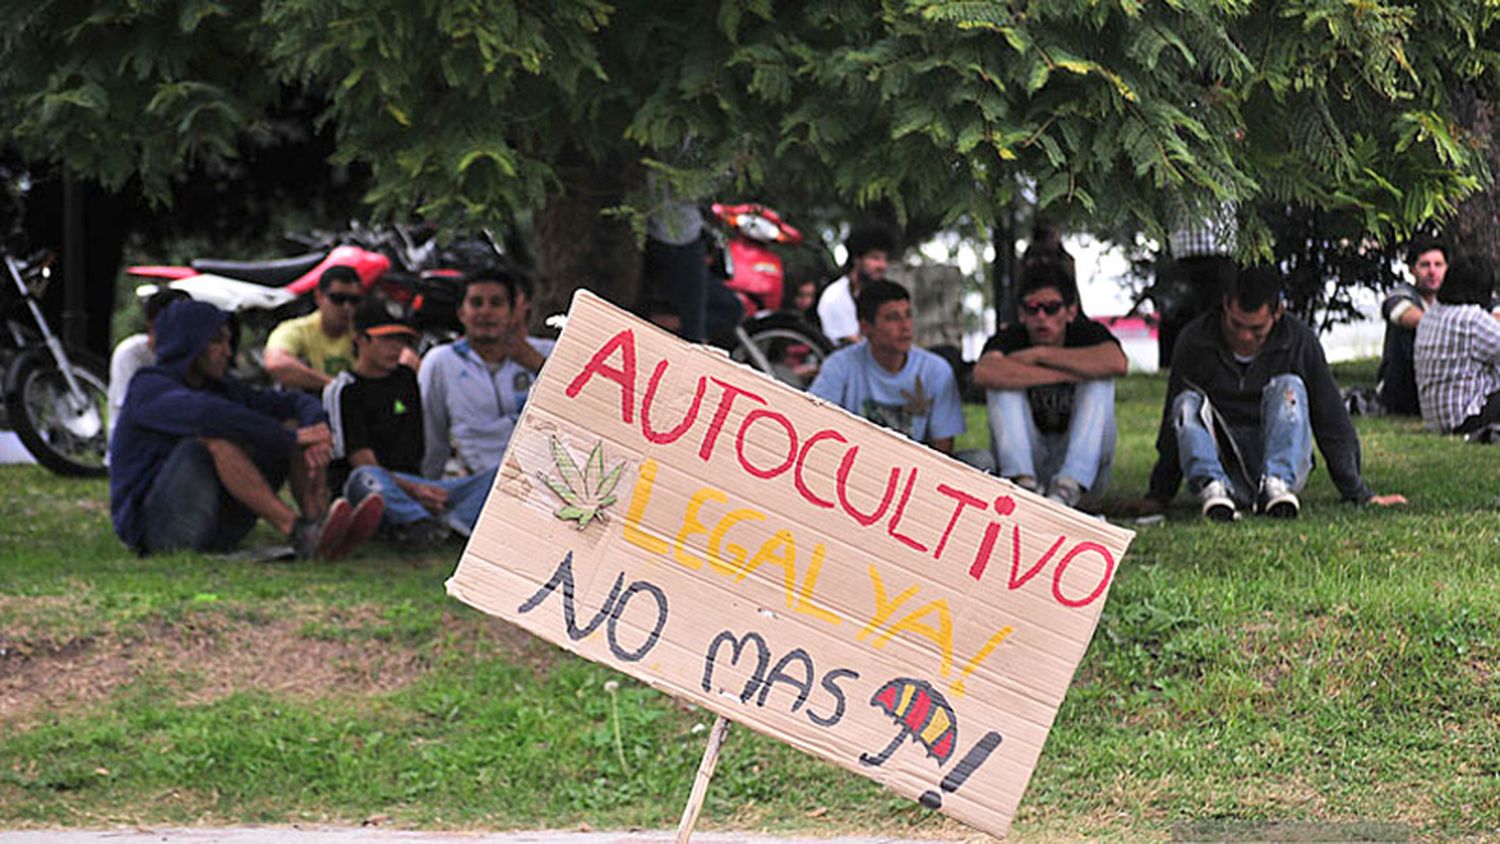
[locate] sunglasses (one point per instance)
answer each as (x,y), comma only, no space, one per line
(345,298)
(1048,308)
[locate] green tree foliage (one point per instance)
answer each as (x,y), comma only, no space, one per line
(482,109)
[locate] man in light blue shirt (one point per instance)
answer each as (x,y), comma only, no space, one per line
(885,380)
(473,390)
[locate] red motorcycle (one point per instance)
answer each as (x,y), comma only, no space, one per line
(773,340)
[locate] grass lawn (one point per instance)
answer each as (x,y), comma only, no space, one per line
(1341,668)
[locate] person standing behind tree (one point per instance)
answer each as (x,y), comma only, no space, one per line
(473,390)
(871,247)
(1402,311)
(1199,272)
(1457,352)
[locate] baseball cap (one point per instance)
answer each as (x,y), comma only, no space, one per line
(379,318)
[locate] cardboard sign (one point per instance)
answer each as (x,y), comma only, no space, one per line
(670,513)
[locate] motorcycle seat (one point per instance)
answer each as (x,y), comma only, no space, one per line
(275,273)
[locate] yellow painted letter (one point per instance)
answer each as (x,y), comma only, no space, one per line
(640,498)
(809,583)
(884,609)
(691,526)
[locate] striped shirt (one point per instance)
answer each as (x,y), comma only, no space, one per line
(1457,362)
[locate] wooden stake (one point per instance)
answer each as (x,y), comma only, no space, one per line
(716,738)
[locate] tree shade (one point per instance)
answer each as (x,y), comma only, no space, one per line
(478,111)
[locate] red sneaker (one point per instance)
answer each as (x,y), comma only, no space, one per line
(314,538)
(362,525)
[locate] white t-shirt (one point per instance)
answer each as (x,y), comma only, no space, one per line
(131,354)
(836,312)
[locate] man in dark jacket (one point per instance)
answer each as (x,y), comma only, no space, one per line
(197,456)
(1249,391)
(1402,311)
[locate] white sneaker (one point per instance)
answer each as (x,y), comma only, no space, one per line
(1277,499)
(1217,505)
(1065,491)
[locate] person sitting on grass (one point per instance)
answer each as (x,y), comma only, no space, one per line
(375,410)
(306,352)
(1457,352)
(1052,391)
(1403,311)
(473,390)
(137,351)
(887,381)
(1250,390)
(197,457)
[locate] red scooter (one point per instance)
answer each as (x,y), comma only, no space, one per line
(778,342)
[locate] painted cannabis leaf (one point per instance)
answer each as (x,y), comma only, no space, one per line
(584,495)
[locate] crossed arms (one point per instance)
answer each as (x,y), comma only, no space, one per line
(1036,365)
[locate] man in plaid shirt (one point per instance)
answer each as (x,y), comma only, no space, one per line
(1458,352)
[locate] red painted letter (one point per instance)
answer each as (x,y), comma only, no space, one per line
(807,494)
(1109,568)
(711,436)
(1016,582)
(911,481)
(964,500)
(687,421)
(842,488)
(624,376)
(791,435)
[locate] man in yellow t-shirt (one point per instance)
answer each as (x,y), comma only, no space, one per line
(305,353)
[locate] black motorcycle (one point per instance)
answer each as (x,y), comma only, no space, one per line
(55,398)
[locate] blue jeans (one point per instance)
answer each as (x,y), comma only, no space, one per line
(1285,436)
(466,496)
(188,509)
(1085,452)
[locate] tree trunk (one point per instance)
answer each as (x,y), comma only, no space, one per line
(1003,269)
(1477,224)
(577,246)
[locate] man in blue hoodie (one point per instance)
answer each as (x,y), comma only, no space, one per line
(197,456)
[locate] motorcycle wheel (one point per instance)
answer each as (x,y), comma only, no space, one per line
(64,433)
(795,349)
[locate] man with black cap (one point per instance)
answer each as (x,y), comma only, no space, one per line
(197,456)
(376,413)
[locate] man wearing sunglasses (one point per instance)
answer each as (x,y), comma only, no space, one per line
(1051,391)
(305,353)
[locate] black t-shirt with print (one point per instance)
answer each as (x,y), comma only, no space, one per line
(1051,404)
(385,416)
